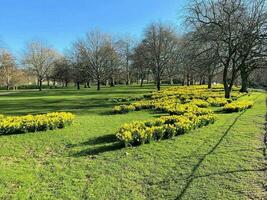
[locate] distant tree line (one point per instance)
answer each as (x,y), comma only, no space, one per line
(225,42)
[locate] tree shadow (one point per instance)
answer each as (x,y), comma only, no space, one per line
(99,150)
(232,172)
(97,145)
(192,176)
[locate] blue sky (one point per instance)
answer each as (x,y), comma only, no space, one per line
(60,22)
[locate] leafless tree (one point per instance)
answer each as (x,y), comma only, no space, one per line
(39,58)
(125,51)
(98,56)
(225,25)
(141,64)
(62,71)
(160,43)
(253,49)
(8,69)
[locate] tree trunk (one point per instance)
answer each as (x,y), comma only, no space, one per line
(112,82)
(40,84)
(227,89)
(227,92)
(187,80)
(88,84)
(78,85)
(142,81)
(191,80)
(98,84)
(128,79)
(244,82)
(158,83)
(171,81)
(209,81)
(200,80)
(48,81)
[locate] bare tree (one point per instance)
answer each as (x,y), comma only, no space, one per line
(78,71)
(98,56)
(223,24)
(39,58)
(160,43)
(62,71)
(140,63)
(8,68)
(125,51)
(253,49)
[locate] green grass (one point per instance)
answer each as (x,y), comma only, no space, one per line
(222,161)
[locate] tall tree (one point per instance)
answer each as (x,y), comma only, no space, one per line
(8,69)
(140,63)
(222,23)
(62,71)
(98,56)
(125,51)
(160,43)
(39,58)
(253,50)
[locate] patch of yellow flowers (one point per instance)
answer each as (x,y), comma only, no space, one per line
(165,127)
(33,123)
(188,109)
(168,99)
(237,106)
(217,101)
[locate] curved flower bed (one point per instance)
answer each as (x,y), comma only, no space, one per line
(188,108)
(237,106)
(165,127)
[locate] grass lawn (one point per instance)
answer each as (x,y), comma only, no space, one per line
(224,160)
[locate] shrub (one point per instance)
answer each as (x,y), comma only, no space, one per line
(33,123)
(237,106)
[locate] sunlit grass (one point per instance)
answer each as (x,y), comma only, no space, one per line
(84,161)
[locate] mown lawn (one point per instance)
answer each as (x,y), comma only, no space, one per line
(224,160)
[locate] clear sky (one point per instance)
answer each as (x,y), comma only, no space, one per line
(60,22)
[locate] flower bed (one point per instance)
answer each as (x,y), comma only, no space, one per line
(188,108)
(123,109)
(165,127)
(33,123)
(237,106)
(218,101)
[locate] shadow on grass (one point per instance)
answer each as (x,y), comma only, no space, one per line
(192,176)
(232,172)
(97,145)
